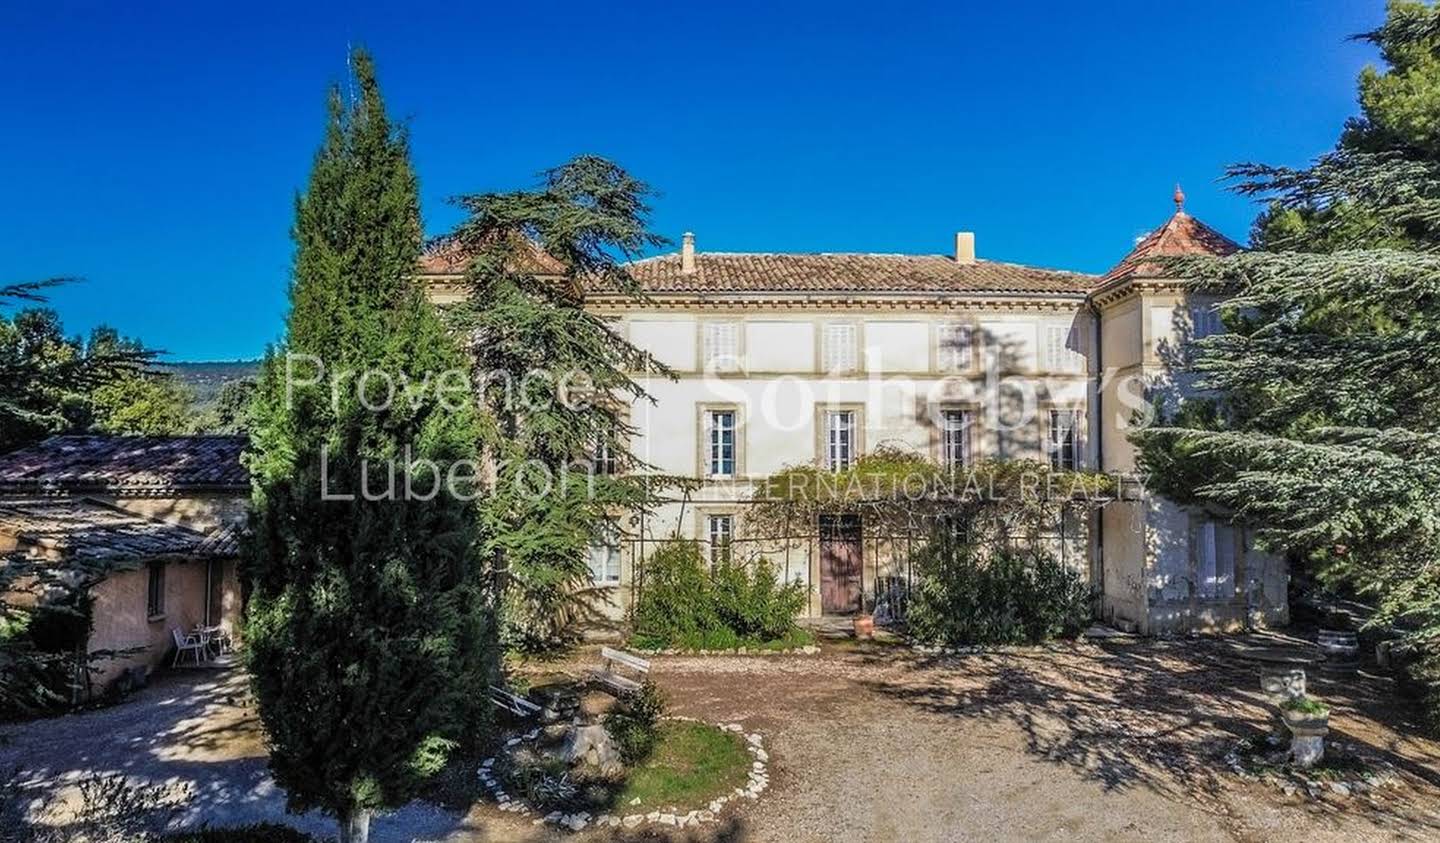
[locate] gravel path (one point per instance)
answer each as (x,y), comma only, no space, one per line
(1072,743)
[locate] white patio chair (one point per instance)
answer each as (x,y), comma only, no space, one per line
(187,642)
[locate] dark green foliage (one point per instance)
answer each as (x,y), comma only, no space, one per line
(532,255)
(51,383)
(45,615)
(1324,425)
(682,604)
(751,601)
(229,412)
(635,724)
(368,636)
(965,594)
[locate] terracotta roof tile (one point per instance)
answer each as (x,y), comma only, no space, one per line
(127,463)
(1182,234)
(446,256)
(764,272)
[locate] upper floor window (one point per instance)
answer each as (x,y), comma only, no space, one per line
(955,352)
(1064,444)
(955,431)
(605,460)
(721,345)
(721,530)
(604,557)
(840,348)
(839,439)
(720,443)
(1205,320)
(1062,350)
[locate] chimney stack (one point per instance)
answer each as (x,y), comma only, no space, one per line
(965,247)
(687,254)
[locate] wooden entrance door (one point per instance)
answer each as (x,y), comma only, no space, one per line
(840,564)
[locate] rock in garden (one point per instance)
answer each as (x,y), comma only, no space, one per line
(632,820)
(592,746)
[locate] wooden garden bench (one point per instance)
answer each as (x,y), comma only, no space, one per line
(513,703)
(608,672)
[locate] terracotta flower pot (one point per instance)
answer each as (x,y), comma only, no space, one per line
(864,626)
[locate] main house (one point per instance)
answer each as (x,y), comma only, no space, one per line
(784,359)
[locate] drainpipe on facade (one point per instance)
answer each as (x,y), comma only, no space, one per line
(1099,440)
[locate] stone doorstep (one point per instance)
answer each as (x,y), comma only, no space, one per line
(757,781)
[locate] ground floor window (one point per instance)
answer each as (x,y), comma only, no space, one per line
(1064,440)
(1214,544)
(955,438)
(155,591)
(605,554)
(839,440)
(721,529)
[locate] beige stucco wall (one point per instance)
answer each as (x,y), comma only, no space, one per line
(121,623)
(778,393)
(200,511)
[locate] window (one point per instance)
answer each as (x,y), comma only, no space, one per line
(720,443)
(605,553)
(605,460)
(1214,559)
(1062,351)
(1205,320)
(721,529)
(839,353)
(1064,439)
(955,427)
(155,591)
(839,439)
(722,346)
(955,352)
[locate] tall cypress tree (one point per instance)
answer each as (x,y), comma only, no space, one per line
(367,638)
(1323,425)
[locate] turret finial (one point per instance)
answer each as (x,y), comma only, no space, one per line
(1179,198)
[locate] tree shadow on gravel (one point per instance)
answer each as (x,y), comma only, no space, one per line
(1155,714)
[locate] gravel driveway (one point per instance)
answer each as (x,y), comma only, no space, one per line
(1107,741)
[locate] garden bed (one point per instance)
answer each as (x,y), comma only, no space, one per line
(694,771)
(798,642)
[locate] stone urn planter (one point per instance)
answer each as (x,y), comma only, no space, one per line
(1279,687)
(1307,735)
(864,626)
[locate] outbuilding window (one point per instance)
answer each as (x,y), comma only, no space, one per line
(155,591)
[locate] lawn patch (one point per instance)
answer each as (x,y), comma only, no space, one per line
(692,763)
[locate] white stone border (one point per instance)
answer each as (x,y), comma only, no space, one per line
(756,783)
(807,650)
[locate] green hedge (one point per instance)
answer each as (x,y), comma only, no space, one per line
(963,595)
(683,604)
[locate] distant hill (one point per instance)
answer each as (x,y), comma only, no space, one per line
(205,379)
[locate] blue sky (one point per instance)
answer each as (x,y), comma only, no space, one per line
(155,149)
